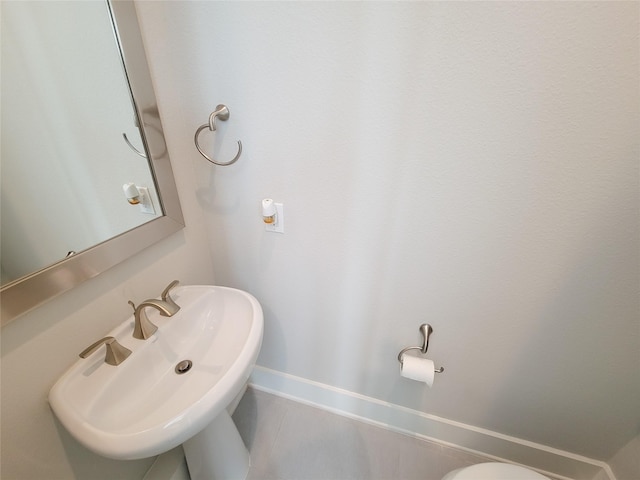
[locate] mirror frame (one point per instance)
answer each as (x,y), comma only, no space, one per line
(31,291)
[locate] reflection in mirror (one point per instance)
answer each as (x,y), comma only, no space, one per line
(66,104)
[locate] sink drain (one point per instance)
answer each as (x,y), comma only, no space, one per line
(184,366)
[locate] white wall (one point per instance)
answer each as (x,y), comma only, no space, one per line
(472,165)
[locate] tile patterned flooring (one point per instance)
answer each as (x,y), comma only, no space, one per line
(292,441)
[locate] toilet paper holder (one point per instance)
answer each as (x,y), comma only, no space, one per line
(426,331)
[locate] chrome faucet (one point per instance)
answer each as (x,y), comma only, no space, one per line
(143,327)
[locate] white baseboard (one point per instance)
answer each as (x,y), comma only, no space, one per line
(546,460)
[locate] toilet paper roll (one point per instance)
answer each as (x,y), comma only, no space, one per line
(420,369)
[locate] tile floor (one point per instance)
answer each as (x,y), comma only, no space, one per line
(292,441)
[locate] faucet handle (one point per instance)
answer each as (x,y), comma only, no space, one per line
(172,306)
(116,353)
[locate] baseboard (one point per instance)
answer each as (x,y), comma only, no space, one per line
(546,460)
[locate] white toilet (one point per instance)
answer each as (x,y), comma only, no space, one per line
(494,471)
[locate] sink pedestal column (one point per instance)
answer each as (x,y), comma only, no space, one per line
(217,452)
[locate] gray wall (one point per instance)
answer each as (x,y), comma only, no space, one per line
(473,165)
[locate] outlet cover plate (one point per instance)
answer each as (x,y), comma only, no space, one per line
(278,226)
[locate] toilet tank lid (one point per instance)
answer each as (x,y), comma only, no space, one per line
(497,471)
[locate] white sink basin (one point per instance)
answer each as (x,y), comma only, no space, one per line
(142,407)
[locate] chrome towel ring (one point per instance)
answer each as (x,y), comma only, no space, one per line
(221,112)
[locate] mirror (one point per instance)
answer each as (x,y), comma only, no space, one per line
(64,102)
(79,139)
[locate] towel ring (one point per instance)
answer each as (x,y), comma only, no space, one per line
(221,112)
(124,135)
(148,128)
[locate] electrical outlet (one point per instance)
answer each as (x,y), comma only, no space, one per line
(278,225)
(146,204)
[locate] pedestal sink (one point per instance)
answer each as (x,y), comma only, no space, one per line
(155,399)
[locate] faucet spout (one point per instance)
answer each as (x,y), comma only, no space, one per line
(143,327)
(165,309)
